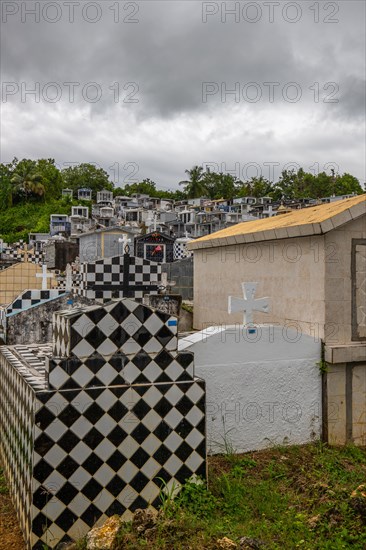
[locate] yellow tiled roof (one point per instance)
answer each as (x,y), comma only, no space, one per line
(297,218)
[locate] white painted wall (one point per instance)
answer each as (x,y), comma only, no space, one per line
(263,389)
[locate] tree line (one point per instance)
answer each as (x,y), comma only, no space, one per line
(41,180)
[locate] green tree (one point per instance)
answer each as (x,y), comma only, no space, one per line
(255,187)
(26,181)
(6,186)
(220,185)
(195,186)
(51,178)
(86,175)
(347,184)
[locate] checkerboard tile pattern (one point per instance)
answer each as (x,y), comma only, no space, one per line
(122,325)
(100,452)
(17,406)
(12,252)
(90,434)
(30,298)
(118,277)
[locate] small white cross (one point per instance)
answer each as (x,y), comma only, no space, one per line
(249,303)
(44,276)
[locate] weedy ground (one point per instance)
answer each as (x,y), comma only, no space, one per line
(283,498)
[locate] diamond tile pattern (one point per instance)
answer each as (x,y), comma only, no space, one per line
(89,436)
(119,326)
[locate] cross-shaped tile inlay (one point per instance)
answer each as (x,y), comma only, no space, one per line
(44,276)
(249,303)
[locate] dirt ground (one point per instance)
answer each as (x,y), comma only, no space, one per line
(10,535)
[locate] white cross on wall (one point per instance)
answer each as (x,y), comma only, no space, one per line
(44,276)
(249,303)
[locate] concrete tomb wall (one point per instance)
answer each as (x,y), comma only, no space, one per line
(31,320)
(290,271)
(263,386)
(90,424)
(181,273)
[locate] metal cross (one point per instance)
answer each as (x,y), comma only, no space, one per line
(44,276)
(249,303)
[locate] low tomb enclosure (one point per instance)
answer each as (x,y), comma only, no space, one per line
(93,423)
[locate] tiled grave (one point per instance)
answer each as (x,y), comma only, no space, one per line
(31,298)
(13,252)
(118,277)
(93,423)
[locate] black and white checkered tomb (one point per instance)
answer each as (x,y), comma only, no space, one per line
(118,277)
(89,436)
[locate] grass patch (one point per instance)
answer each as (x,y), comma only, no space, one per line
(3,486)
(283,498)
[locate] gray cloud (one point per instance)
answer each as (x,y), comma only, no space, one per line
(162,61)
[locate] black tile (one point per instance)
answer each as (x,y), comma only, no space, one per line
(116,485)
(66,519)
(115,508)
(142,336)
(140,409)
(42,470)
(142,312)
(164,335)
(184,451)
(42,497)
(94,413)
(162,430)
(118,411)
(69,415)
(91,515)
(163,359)
(139,482)
(40,524)
(162,454)
(43,444)
(116,460)
(67,493)
(92,489)
(140,433)
(184,405)
(141,360)
(92,463)
(139,458)
(93,438)
(67,467)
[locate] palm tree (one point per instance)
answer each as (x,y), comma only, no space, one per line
(195,186)
(26,181)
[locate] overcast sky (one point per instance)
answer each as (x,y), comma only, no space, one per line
(149,89)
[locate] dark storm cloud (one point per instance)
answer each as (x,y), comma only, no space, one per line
(163,61)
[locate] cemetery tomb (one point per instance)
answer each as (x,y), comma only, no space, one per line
(180,248)
(119,277)
(156,247)
(14,280)
(93,421)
